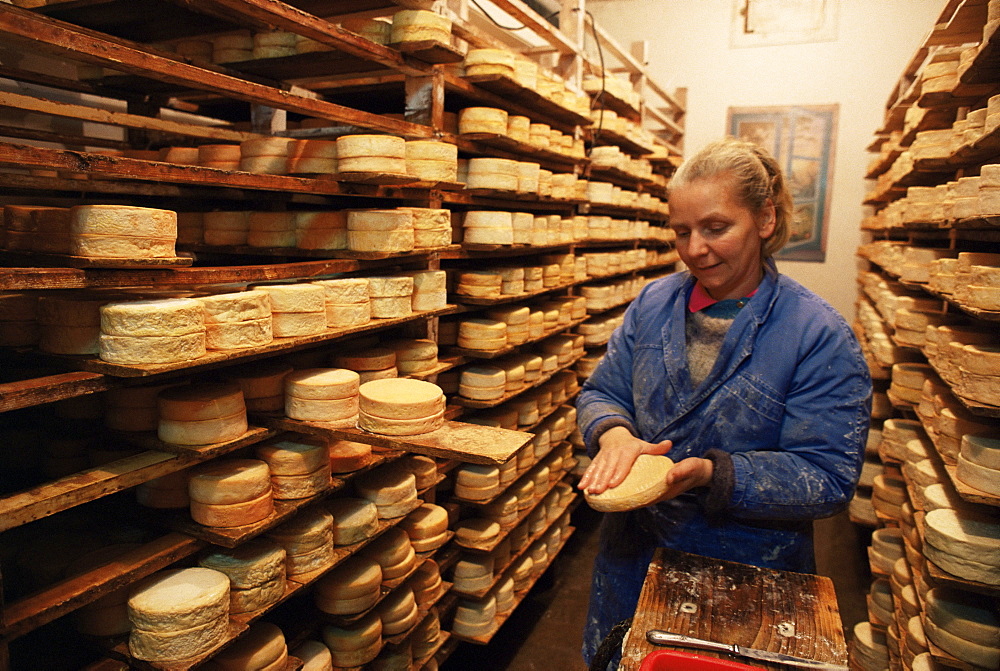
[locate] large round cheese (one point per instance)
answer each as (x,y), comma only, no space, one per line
(321,409)
(228,515)
(379,220)
(381,241)
(202,431)
(387,485)
(964,534)
(354,644)
(179,599)
(294,457)
(165,317)
(304,297)
(354,519)
(979,477)
(400,427)
(239,306)
(171,645)
(349,146)
(261,645)
(200,401)
(346,291)
(239,335)
(351,587)
(250,565)
(123,220)
(229,481)
(404,399)
(138,350)
(643,485)
(308,530)
(315,656)
(347,456)
(286,487)
(322,383)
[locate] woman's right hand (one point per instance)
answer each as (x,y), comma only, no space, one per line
(618,451)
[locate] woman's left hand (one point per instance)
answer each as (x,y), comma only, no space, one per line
(688,474)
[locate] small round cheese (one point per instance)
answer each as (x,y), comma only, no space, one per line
(294,457)
(354,519)
(400,427)
(322,383)
(401,399)
(379,220)
(229,481)
(357,578)
(354,644)
(228,515)
(305,297)
(122,220)
(349,146)
(249,565)
(426,521)
(203,431)
(645,483)
(347,456)
(321,409)
(200,401)
(387,485)
(308,530)
(139,350)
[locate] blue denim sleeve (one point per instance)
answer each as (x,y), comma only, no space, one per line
(813,470)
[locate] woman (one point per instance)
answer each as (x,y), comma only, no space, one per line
(754,386)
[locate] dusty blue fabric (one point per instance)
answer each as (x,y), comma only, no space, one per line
(789,398)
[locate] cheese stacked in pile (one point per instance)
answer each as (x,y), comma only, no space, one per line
(398,613)
(323,395)
(480,283)
(431,227)
(230,493)
(354,519)
(262,647)
(400,407)
(315,656)
(372,154)
(347,455)
(347,301)
(201,414)
(964,543)
(516,318)
(962,624)
(500,174)
(226,228)
(489,62)
(380,230)
(122,231)
(391,296)
(488,227)
(152,332)
(133,408)
(426,635)
(391,488)
(427,527)
(418,25)
(426,582)
(296,309)
(274,44)
(372,363)
(979,367)
(271,229)
(430,290)
(482,334)
(477,482)
(219,156)
(232,47)
(237,320)
(977,274)
(178,614)
(373,30)
(299,467)
(321,230)
(482,120)
(472,573)
(477,533)
(414,356)
(393,552)
(307,540)
(482,383)
(432,161)
(979,460)
(263,386)
(313,157)
(352,587)
(356,643)
(256,572)
(265,155)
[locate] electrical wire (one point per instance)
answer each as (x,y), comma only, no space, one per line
(495,22)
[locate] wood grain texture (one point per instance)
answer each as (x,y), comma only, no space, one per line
(730,603)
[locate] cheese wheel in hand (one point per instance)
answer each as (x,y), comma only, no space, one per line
(644,484)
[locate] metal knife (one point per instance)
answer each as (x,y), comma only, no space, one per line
(659,637)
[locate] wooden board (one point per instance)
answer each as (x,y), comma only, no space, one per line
(472,443)
(507,87)
(50,388)
(71,261)
(430,51)
(735,603)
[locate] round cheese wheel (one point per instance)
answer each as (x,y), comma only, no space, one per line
(964,534)
(322,383)
(398,611)
(308,530)
(644,484)
(401,399)
(386,485)
(347,456)
(239,335)
(179,599)
(200,401)
(307,562)
(354,519)
(122,220)
(380,241)
(249,565)
(292,324)
(374,358)
(426,521)
(138,350)
(286,487)
(233,514)
(354,644)
(259,646)
(294,457)
(229,481)
(305,297)
(167,646)
(202,432)
(349,146)
(400,427)
(165,317)
(345,291)
(321,409)
(379,220)
(315,656)
(343,316)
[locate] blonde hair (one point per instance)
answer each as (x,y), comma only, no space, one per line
(757,178)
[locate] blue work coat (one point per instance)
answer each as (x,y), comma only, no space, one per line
(788,398)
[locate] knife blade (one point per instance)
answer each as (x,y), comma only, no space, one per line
(660,637)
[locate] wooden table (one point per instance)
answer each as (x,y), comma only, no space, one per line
(779,611)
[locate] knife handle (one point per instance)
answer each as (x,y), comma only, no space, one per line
(660,637)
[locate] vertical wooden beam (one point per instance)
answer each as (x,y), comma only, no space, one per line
(573,24)
(640,51)
(425,100)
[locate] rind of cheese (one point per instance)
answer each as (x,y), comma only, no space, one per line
(298,324)
(400,427)
(354,520)
(347,456)
(266,165)
(322,383)
(189,402)
(356,577)
(321,557)
(398,611)
(239,335)
(235,307)
(321,238)
(313,166)
(257,648)
(644,484)
(321,409)
(168,646)
(351,290)
(294,457)
(381,241)
(390,285)
(227,515)
(350,146)
(487,219)
(431,150)
(249,565)
(375,358)
(429,520)
(391,307)
(981,450)
(489,236)
(179,599)
(123,220)
(255,598)
(305,532)
(428,238)
(202,432)
(264,380)
(379,220)
(482,120)
(288,487)
(974,475)
(152,349)
(305,297)
(159,317)
(354,644)
(373,164)
(315,656)
(402,399)
(387,485)
(229,481)
(266,146)
(343,316)
(111,246)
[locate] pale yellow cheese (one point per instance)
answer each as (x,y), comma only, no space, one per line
(482,120)
(285,487)
(350,146)
(258,647)
(202,432)
(315,656)
(179,599)
(343,316)
(381,241)
(199,401)
(305,297)
(163,317)
(110,246)
(391,307)
(168,646)
(354,644)
(645,483)
(228,515)
(403,399)
(308,530)
(152,349)
(354,519)
(374,358)
(347,456)
(322,383)
(346,291)
(239,335)
(356,578)
(321,409)
(379,220)
(229,481)
(235,307)
(123,220)
(294,457)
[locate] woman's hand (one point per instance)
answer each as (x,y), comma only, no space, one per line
(688,474)
(618,452)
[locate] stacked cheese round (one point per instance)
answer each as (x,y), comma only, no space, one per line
(226,228)
(482,383)
(263,386)
(271,229)
(322,395)
(219,156)
(313,157)
(480,283)
(419,25)
(477,533)
(167,491)
(347,302)
(300,467)
(964,625)
(534,277)
(261,647)
(315,656)
(516,319)
(477,482)
(256,572)
(352,587)
(371,363)
(513,374)
(321,230)
(307,539)
(398,611)
(400,407)
(347,456)
(427,527)
(414,356)
(482,120)
(482,334)
(354,644)
(432,161)
(380,230)
(296,309)
(518,128)
(122,231)
(431,227)
(391,296)
(979,461)
(888,493)
(522,223)
(152,332)
(232,47)
(354,519)
(488,227)
(426,582)
(503,510)
(499,174)
(237,320)
(430,290)
(230,493)
(424,469)
(374,154)
(472,573)
(426,635)
(392,489)
(265,155)
(964,543)
(178,614)
(489,61)
(393,552)
(201,414)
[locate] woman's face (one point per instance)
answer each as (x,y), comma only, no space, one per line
(718,237)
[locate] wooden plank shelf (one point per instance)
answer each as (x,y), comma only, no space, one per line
(222,251)
(50,388)
(92,262)
(430,51)
(627,212)
(607,136)
(468,142)
(503,85)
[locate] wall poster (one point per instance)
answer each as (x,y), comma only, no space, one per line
(802,139)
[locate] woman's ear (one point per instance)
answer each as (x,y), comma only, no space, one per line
(768,220)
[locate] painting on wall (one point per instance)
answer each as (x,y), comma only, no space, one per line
(802,139)
(759,23)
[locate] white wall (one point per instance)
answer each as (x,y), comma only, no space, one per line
(689,47)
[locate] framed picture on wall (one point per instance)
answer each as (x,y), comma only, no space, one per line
(802,139)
